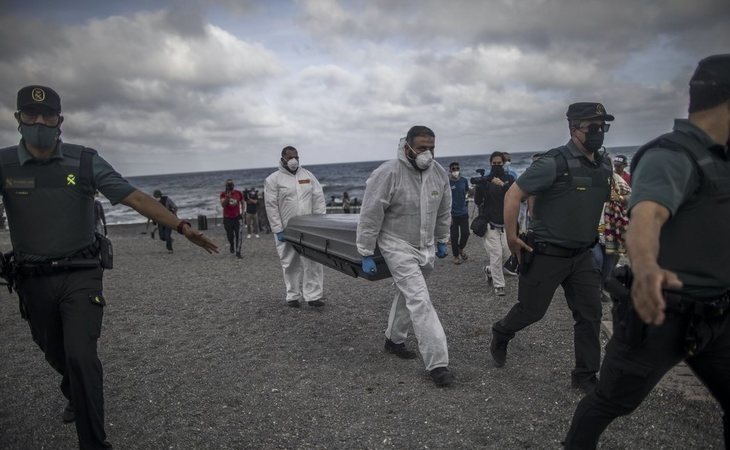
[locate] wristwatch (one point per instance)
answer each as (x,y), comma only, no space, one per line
(181,224)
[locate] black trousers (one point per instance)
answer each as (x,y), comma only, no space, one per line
(65,311)
(459,233)
(166,235)
(632,369)
(232,225)
(581,281)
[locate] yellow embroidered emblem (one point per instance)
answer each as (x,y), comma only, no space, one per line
(599,110)
(38,94)
(70,180)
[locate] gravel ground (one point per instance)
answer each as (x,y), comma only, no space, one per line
(200,351)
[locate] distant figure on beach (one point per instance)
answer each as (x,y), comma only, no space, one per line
(289,192)
(678,308)
(231,200)
(459,213)
(48,189)
(252,205)
(410,238)
(346,203)
(615,223)
(165,231)
(570,184)
(261,216)
(490,197)
(508,165)
(620,163)
(99,217)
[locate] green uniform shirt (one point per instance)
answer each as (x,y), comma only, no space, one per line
(47,204)
(670,178)
(541,180)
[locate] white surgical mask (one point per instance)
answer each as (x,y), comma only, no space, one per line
(455,174)
(424,160)
(293,164)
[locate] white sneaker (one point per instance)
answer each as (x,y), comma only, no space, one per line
(488,275)
(248,236)
(257,236)
(499,291)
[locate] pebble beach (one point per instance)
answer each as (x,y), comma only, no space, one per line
(201,352)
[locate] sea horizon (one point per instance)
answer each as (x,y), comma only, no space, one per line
(197,193)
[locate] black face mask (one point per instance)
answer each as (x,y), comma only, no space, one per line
(593,141)
(229,186)
(497,171)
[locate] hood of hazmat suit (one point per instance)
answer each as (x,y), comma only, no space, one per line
(289,195)
(404,203)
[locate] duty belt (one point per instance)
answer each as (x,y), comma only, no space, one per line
(49,267)
(710,307)
(548,249)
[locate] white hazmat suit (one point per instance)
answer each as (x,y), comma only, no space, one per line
(289,195)
(404,211)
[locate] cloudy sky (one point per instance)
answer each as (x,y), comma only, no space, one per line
(182,86)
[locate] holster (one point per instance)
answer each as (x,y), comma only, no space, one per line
(526,257)
(627,325)
(106,252)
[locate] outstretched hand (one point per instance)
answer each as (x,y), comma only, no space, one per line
(199,239)
(280,236)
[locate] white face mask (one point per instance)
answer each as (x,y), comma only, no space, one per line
(455,174)
(424,160)
(293,164)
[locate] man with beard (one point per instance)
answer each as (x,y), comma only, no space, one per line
(490,196)
(570,184)
(289,192)
(405,213)
(678,308)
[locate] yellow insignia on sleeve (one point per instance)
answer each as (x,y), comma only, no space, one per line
(70,180)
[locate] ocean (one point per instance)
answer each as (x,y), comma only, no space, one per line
(197,193)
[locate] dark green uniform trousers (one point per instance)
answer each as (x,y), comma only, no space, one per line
(65,310)
(581,281)
(631,369)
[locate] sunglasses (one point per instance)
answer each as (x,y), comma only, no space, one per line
(595,128)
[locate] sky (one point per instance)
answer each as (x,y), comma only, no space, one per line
(182,86)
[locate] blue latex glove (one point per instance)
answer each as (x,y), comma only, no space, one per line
(441,250)
(280,236)
(368,265)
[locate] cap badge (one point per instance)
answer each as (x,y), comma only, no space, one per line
(600,110)
(38,94)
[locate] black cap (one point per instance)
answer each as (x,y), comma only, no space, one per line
(712,71)
(35,95)
(588,110)
(621,159)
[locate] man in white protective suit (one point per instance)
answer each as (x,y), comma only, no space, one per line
(289,192)
(406,211)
